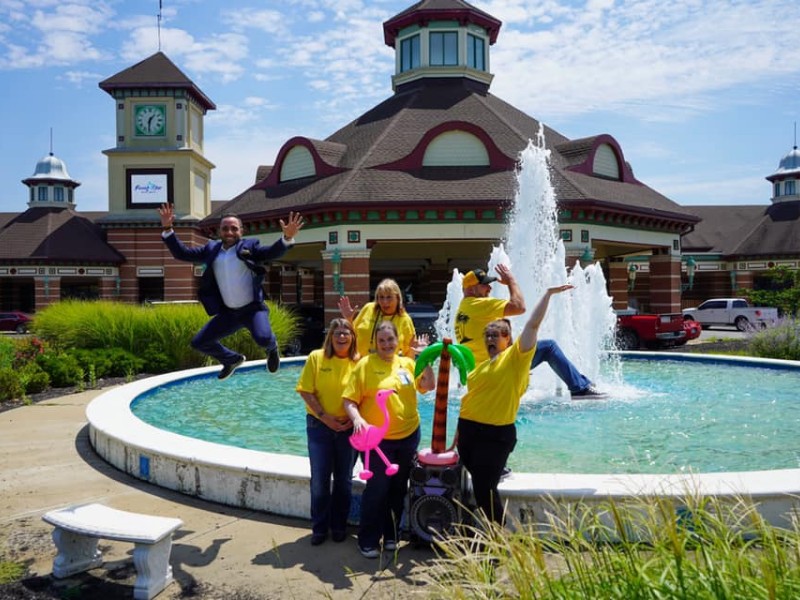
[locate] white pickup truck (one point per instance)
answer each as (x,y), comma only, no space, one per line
(731,311)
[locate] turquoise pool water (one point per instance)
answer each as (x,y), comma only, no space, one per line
(669,416)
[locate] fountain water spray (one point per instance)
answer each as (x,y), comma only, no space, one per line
(581,321)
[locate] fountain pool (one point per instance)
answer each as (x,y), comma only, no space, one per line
(272,475)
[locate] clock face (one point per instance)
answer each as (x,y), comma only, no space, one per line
(150,119)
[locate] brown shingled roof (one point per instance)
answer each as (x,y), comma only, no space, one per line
(381,169)
(47,234)
(721,228)
(156,71)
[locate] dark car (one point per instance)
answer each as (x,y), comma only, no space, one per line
(311,333)
(15,321)
(424,317)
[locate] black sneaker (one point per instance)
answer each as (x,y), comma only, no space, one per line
(273,360)
(318,538)
(227,370)
(590,393)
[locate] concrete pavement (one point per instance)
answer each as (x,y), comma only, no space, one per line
(46,462)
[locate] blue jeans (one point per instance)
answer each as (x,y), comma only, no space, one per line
(384,496)
(550,352)
(254,316)
(330,454)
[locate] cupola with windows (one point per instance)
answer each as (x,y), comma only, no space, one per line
(786,180)
(441,39)
(50,185)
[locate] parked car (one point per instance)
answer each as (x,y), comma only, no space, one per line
(731,311)
(312,330)
(424,317)
(652,331)
(15,321)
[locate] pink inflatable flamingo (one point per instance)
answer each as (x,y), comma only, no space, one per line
(368,438)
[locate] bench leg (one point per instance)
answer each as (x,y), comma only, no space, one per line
(153,571)
(76,553)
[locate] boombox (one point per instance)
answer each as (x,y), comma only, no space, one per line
(437,497)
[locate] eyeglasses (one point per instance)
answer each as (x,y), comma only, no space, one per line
(342,333)
(497,333)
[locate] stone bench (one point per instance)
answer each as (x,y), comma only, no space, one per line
(77,529)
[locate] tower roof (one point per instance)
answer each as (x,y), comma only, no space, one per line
(789,164)
(50,168)
(156,71)
(447,10)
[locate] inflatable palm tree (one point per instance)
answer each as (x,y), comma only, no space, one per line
(461,356)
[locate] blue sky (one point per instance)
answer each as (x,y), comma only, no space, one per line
(701,94)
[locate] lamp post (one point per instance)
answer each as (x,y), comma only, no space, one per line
(336,265)
(691,267)
(586,257)
(632,276)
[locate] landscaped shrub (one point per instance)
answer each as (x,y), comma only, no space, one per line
(10,384)
(781,341)
(64,369)
(33,378)
(111,362)
(169,328)
(708,547)
(157,361)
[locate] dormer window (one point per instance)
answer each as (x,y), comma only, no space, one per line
(409,53)
(298,164)
(605,162)
(444,48)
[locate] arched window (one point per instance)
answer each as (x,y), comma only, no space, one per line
(297,163)
(605,162)
(456,149)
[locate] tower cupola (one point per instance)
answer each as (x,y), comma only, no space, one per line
(786,180)
(441,39)
(50,184)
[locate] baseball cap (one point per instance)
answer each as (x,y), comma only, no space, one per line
(475,277)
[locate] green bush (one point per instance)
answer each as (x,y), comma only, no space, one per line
(781,341)
(147,331)
(157,361)
(33,378)
(10,384)
(64,369)
(111,362)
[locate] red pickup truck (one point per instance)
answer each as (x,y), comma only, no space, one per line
(652,331)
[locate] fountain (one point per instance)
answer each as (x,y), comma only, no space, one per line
(581,322)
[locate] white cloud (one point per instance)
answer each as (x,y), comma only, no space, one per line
(78,78)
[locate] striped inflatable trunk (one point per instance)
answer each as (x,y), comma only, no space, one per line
(439,434)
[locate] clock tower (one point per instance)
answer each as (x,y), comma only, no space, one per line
(159,153)
(158,158)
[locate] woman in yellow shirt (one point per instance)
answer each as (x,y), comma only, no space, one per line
(384,495)
(486,431)
(328,430)
(388,306)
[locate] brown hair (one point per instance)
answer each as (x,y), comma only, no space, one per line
(386,325)
(327,345)
(502,325)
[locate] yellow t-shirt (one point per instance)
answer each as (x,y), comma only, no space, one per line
(371,374)
(326,378)
(495,387)
(472,317)
(366,324)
